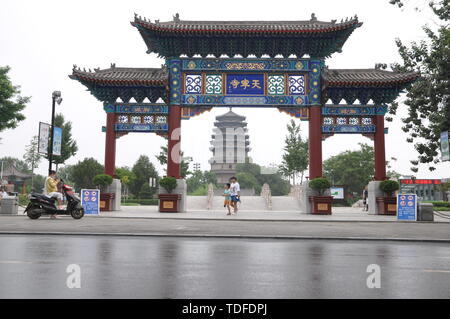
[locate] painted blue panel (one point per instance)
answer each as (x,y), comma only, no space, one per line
(245,84)
(354,110)
(245,64)
(142,109)
(154,127)
(348,129)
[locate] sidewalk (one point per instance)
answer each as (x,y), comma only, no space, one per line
(340,214)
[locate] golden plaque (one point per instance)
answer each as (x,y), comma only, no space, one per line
(168,204)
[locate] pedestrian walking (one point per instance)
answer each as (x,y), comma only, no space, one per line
(365,199)
(227,197)
(235,194)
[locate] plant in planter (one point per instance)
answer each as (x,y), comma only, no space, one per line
(320,204)
(389,187)
(387,205)
(106,199)
(168,202)
(102,181)
(168,183)
(320,184)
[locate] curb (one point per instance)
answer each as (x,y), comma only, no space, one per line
(260,219)
(282,237)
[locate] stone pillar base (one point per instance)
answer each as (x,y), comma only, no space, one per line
(306,191)
(374,192)
(116,188)
(182,190)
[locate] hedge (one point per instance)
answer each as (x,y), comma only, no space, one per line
(438,203)
(148,202)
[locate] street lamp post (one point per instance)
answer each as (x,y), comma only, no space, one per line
(56,98)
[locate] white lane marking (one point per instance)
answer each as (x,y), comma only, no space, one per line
(15,262)
(437,270)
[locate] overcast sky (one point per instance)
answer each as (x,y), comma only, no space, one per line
(41,40)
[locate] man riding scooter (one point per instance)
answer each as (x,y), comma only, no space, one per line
(51,190)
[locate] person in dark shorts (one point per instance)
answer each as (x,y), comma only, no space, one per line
(235,194)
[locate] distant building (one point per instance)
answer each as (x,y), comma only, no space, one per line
(13,179)
(230,145)
(426,189)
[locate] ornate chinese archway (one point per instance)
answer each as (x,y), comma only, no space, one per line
(190,85)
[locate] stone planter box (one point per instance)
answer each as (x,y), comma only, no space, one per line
(387,206)
(169,203)
(321,205)
(106,202)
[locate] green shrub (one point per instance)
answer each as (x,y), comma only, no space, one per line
(389,186)
(320,184)
(200,191)
(23,200)
(144,202)
(102,180)
(437,203)
(168,183)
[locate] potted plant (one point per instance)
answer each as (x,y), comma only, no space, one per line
(320,204)
(106,199)
(168,202)
(387,205)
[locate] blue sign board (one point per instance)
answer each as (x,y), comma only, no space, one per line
(57,140)
(407,207)
(244,84)
(90,200)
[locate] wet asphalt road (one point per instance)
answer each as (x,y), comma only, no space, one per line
(34,266)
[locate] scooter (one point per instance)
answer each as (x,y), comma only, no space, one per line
(41,204)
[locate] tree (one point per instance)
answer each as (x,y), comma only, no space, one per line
(68,146)
(32,157)
(194,181)
(9,161)
(11,102)
(83,173)
(353,169)
(199,179)
(142,170)
(248,180)
(278,185)
(162,159)
(37,184)
(126,176)
(428,99)
(296,157)
(66,173)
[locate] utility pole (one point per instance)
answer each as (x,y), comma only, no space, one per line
(56,98)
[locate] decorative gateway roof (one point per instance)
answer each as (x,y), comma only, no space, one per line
(381,86)
(181,37)
(125,83)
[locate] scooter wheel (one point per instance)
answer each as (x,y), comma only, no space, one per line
(34,213)
(77,213)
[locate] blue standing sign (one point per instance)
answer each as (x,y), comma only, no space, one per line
(90,200)
(407,207)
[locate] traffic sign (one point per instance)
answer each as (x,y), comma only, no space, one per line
(407,207)
(90,200)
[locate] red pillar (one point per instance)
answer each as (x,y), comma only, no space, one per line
(315,142)
(110,145)
(174,139)
(379,148)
